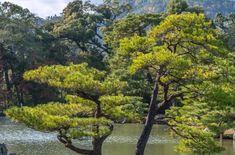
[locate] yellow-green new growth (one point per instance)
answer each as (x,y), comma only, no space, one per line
(93,103)
(182,58)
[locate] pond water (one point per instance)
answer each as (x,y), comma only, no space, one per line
(25,141)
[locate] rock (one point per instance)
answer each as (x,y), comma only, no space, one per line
(3,149)
(230,134)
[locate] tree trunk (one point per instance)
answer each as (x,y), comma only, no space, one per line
(19,96)
(97,146)
(6,76)
(142,142)
(97,142)
(8,84)
(221,139)
(22,97)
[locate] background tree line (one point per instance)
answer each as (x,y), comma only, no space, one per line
(211,7)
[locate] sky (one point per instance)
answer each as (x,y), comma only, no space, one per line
(44,8)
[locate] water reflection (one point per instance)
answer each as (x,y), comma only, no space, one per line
(122,142)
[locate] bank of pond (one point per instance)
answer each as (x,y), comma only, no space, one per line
(25,141)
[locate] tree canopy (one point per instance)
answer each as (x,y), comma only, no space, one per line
(181,60)
(177,6)
(93,102)
(97,65)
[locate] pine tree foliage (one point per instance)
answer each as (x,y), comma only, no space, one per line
(200,121)
(188,64)
(177,6)
(129,26)
(227,25)
(93,103)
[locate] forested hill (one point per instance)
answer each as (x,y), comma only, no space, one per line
(211,7)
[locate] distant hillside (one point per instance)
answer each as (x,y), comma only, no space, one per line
(211,7)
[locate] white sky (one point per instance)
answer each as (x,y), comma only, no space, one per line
(44,8)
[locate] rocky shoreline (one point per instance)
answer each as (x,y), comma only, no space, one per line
(4,151)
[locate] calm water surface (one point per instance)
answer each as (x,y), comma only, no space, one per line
(25,141)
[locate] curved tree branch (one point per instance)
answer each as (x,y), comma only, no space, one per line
(69,145)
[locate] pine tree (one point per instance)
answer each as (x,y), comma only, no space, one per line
(93,102)
(182,56)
